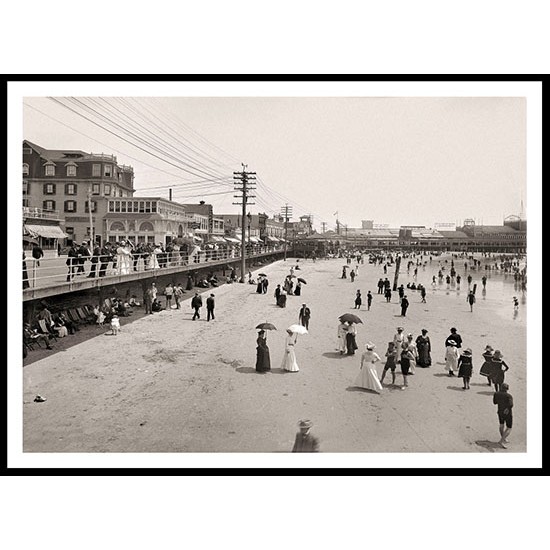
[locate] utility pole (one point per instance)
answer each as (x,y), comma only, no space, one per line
(244,181)
(92,239)
(286,211)
(324,224)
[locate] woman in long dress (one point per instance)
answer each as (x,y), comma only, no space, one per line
(487,367)
(351,344)
(398,340)
(153,258)
(289,357)
(368,377)
(414,353)
(342,331)
(124,259)
(451,357)
(263,361)
(424,346)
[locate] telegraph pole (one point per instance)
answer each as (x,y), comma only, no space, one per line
(324,224)
(92,239)
(286,211)
(244,181)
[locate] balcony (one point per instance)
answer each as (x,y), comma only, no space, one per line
(40,213)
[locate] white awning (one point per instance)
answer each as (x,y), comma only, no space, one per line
(47,231)
(232,240)
(273,239)
(255,240)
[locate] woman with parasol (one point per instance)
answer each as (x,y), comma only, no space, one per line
(263,361)
(351,331)
(289,359)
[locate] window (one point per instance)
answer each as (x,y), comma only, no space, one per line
(148,207)
(130,206)
(107,189)
(117,206)
(71,171)
(96,170)
(49,189)
(48,205)
(108,171)
(25,169)
(69,231)
(123,206)
(154,206)
(49,170)
(25,187)
(95,188)
(27,151)
(70,206)
(70,189)
(93,203)
(141,207)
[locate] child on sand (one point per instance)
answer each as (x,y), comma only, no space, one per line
(391,355)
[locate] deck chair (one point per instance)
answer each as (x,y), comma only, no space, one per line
(73,316)
(84,315)
(44,329)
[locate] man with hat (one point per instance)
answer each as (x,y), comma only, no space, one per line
(196,304)
(455,337)
(504,402)
(304,316)
(398,340)
(305,442)
(210,307)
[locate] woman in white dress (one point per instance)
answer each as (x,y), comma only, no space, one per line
(342,331)
(289,358)
(368,377)
(414,353)
(451,357)
(124,259)
(398,340)
(153,258)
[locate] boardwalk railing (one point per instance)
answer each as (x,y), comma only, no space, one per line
(52,272)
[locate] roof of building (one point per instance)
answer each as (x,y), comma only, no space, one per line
(454,234)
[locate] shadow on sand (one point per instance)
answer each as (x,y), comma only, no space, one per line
(485,392)
(456,388)
(491,446)
(361,390)
(442,374)
(334,355)
(247,370)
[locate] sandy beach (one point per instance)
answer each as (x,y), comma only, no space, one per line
(170,384)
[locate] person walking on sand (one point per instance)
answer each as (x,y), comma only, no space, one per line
(451,357)
(263,361)
(289,358)
(405,363)
(196,304)
(391,355)
(398,340)
(277,294)
(352,275)
(342,331)
(465,368)
(411,346)
(304,315)
(178,294)
(344,273)
(487,367)
(358,300)
(265,284)
(369,300)
(504,402)
(368,377)
(387,294)
(424,347)
(210,304)
(455,337)
(351,344)
(423,294)
(499,367)
(168,293)
(404,305)
(305,442)
(471,299)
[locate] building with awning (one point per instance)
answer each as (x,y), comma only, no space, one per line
(46,231)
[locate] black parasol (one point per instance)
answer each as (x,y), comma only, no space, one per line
(349,318)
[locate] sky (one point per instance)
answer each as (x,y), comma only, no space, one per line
(393,160)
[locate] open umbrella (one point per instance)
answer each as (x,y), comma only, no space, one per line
(298,329)
(349,318)
(266,326)
(302,280)
(262,275)
(28,239)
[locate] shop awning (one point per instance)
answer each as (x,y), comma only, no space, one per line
(273,239)
(232,240)
(255,240)
(216,239)
(47,231)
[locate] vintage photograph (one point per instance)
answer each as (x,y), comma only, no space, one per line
(240,270)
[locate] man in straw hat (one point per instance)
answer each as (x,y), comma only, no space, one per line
(305,442)
(504,402)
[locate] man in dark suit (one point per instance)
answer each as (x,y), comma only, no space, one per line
(305,442)
(72,261)
(196,304)
(83,253)
(304,315)
(210,307)
(104,256)
(95,259)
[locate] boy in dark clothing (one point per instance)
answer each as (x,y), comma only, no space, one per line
(504,402)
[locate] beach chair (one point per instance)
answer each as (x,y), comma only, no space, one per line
(44,329)
(86,318)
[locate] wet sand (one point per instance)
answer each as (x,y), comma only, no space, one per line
(170,384)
